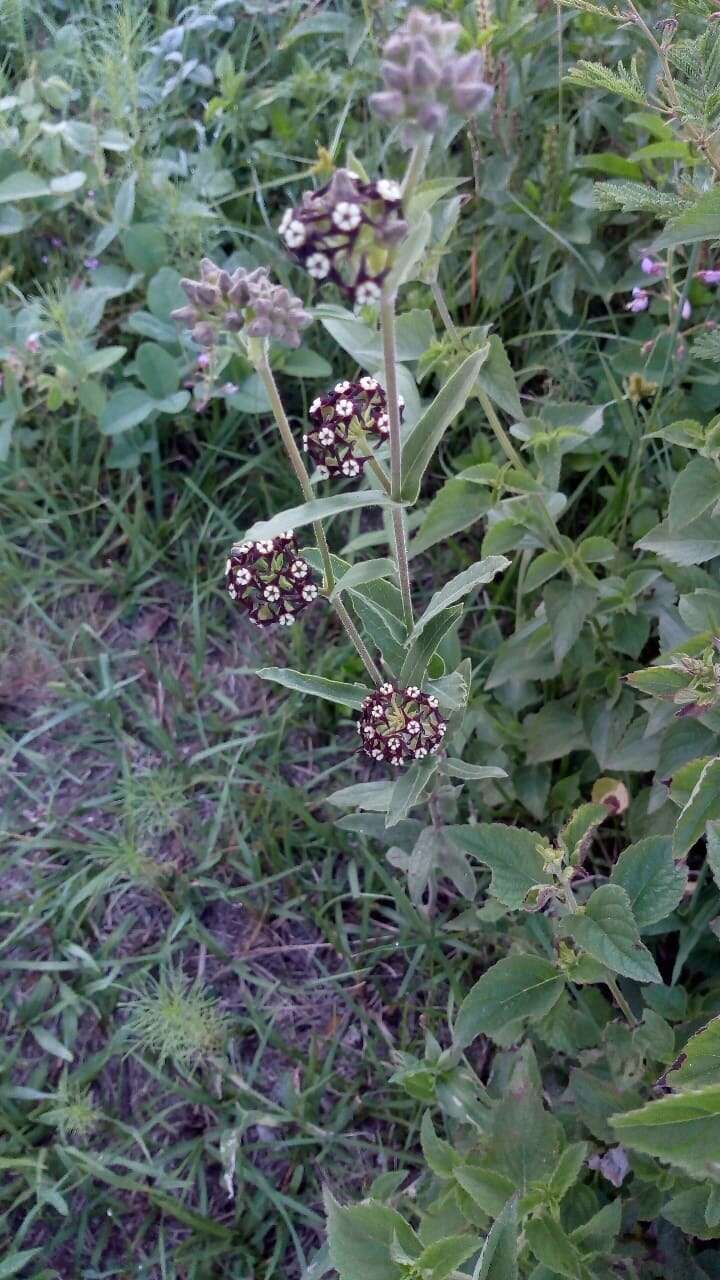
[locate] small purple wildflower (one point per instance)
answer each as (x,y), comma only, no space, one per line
(711,276)
(57,242)
(652,266)
(92,264)
(338,421)
(686,310)
(203,360)
(398,726)
(613,1165)
(33,343)
(640,300)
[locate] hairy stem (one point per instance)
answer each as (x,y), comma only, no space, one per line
(298,466)
(387,316)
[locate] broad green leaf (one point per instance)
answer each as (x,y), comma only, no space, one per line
(689,1211)
(157,370)
(599,1232)
(498,1260)
(567,605)
(318,509)
(459,587)
(426,435)
(361,1238)
(512,855)
(651,878)
(409,788)
(683,1128)
(543,567)
(22,185)
(488,1189)
(659,682)
(66,183)
(365,571)
(696,489)
(699,1060)
(125,409)
(606,929)
(455,507)
(702,807)
(700,222)
(443,1257)
(373,796)
(410,253)
(517,988)
(346,695)
(552,1247)
(497,379)
(568,1169)
(695,544)
(422,649)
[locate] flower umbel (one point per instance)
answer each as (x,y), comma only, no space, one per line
(425,77)
(340,419)
(221,302)
(270,581)
(400,725)
(344,232)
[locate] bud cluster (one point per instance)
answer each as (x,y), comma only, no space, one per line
(400,725)
(702,692)
(425,77)
(343,420)
(343,233)
(270,581)
(226,302)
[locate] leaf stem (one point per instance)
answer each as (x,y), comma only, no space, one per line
(298,466)
(387,317)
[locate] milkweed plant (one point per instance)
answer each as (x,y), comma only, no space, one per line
(574,1103)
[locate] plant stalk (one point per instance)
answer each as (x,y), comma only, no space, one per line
(387,317)
(298,466)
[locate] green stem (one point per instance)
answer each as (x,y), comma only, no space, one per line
(387,317)
(298,466)
(498,429)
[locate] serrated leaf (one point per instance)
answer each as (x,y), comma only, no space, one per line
(361,1238)
(695,490)
(346,695)
(660,682)
(459,587)
(702,807)
(699,1060)
(567,605)
(519,988)
(498,1260)
(682,1128)
(420,445)
(554,1248)
(696,543)
(512,855)
(497,379)
(606,929)
(700,222)
(651,878)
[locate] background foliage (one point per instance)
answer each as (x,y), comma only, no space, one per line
(223,993)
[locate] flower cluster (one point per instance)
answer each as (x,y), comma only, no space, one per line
(425,77)
(225,302)
(270,581)
(342,422)
(343,233)
(400,725)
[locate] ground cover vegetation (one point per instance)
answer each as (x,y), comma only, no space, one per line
(360,678)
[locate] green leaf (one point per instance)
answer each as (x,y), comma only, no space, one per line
(498,1260)
(696,543)
(461,585)
(409,788)
(699,1060)
(442,1257)
(682,1128)
(346,695)
(497,379)
(659,682)
(422,649)
(702,807)
(567,605)
(22,185)
(512,855)
(455,507)
(365,571)
(689,1212)
(50,1044)
(318,509)
(652,880)
(695,489)
(568,1169)
(487,1188)
(410,253)
(581,824)
(15,1262)
(372,796)
(426,435)
(440,1156)
(623,81)
(453,768)
(361,1238)
(543,567)
(66,183)
(553,1248)
(157,370)
(700,222)
(125,409)
(606,929)
(519,988)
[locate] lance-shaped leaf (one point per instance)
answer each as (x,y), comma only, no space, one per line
(366,571)
(409,788)
(702,807)
(347,695)
(318,509)
(425,437)
(460,586)
(422,649)
(498,1260)
(699,1062)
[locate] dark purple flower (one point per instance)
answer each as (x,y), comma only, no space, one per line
(270,581)
(339,421)
(92,264)
(400,725)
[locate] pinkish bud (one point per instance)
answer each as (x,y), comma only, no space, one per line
(33,343)
(711,276)
(686,310)
(652,267)
(640,300)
